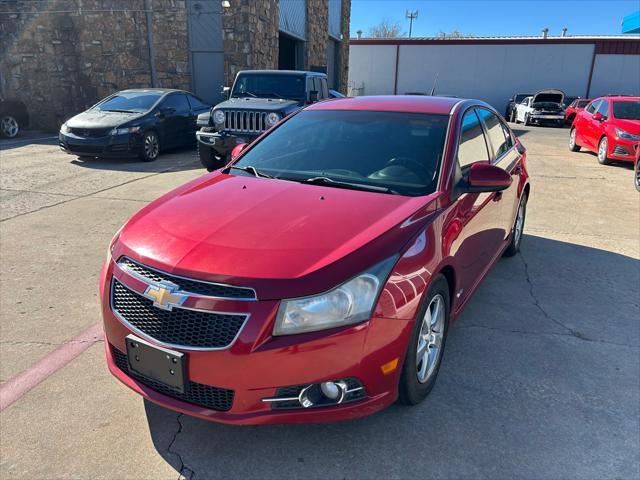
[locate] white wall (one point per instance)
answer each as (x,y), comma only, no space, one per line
(375,66)
(616,74)
(492,73)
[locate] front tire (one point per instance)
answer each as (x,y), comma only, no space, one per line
(527,122)
(603,148)
(636,175)
(518,228)
(150,147)
(512,117)
(573,146)
(424,353)
(9,126)
(209,159)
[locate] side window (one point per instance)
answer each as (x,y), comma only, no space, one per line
(317,85)
(196,103)
(603,108)
(473,147)
(495,132)
(591,108)
(525,101)
(325,90)
(177,101)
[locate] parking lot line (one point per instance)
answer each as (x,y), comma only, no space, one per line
(16,387)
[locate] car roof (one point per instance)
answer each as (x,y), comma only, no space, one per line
(619,98)
(282,72)
(152,90)
(392,103)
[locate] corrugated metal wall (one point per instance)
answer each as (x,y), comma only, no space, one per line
(492,71)
(293,18)
(335,18)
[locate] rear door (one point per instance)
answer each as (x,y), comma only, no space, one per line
(478,215)
(506,156)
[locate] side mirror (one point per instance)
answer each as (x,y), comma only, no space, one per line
(237,150)
(484,177)
(598,117)
(226,91)
(313,96)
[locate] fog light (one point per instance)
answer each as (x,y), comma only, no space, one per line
(330,390)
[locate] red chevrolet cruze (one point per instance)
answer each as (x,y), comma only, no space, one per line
(315,277)
(609,126)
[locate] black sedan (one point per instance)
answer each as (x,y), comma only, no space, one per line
(13,117)
(134,122)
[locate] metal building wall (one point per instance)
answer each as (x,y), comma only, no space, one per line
(492,70)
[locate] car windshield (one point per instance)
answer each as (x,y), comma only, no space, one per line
(390,152)
(269,86)
(129,102)
(627,110)
(521,96)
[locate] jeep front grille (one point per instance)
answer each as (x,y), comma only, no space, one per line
(245,121)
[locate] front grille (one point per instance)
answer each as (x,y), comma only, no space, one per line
(245,121)
(291,392)
(206,396)
(180,327)
(618,150)
(188,285)
(91,132)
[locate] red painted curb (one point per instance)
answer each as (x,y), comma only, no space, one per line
(13,389)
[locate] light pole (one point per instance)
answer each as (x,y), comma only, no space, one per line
(411,16)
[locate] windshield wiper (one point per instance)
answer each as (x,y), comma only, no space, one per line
(252,170)
(329,182)
(247,92)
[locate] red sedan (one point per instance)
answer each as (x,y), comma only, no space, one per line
(609,126)
(315,278)
(574,108)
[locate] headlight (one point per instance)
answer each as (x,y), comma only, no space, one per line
(64,128)
(351,302)
(626,135)
(272,119)
(218,117)
(122,131)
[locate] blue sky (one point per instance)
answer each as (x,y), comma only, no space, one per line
(496,17)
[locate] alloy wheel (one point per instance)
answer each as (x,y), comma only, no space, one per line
(519,226)
(151,146)
(430,340)
(602,151)
(637,176)
(9,126)
(572,138)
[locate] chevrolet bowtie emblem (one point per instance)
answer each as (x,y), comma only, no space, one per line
(165,295)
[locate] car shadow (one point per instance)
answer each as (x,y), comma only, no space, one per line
(519,132)
(184,158)
(537,366)
(28,137)
(612,163)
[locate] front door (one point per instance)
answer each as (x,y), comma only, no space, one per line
(476,217)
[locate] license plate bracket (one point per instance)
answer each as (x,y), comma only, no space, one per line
(157,363)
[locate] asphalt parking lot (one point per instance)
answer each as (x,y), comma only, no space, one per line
(540,378)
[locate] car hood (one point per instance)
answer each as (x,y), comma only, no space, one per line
(549,95)
(271,234)
(100,119)
(262,104)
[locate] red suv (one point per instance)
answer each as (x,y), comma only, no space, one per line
(315,277)
(609,126)
(574,108)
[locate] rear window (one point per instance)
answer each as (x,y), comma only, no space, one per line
(626,110)
(130,102)
(398,151)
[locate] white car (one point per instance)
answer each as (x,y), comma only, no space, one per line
(545,107)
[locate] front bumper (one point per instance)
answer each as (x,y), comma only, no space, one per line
(623,149)
(223,142)
(256,364)
(544,118)
(125,145)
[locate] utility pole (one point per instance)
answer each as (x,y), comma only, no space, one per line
(411,16)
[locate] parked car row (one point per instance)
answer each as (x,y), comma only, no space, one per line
(610,127)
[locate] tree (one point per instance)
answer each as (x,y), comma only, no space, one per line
(454,34)
(386,29)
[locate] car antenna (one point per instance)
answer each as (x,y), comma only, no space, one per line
(435,80)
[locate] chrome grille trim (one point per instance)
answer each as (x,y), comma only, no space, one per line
(245,121)
(122,261)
